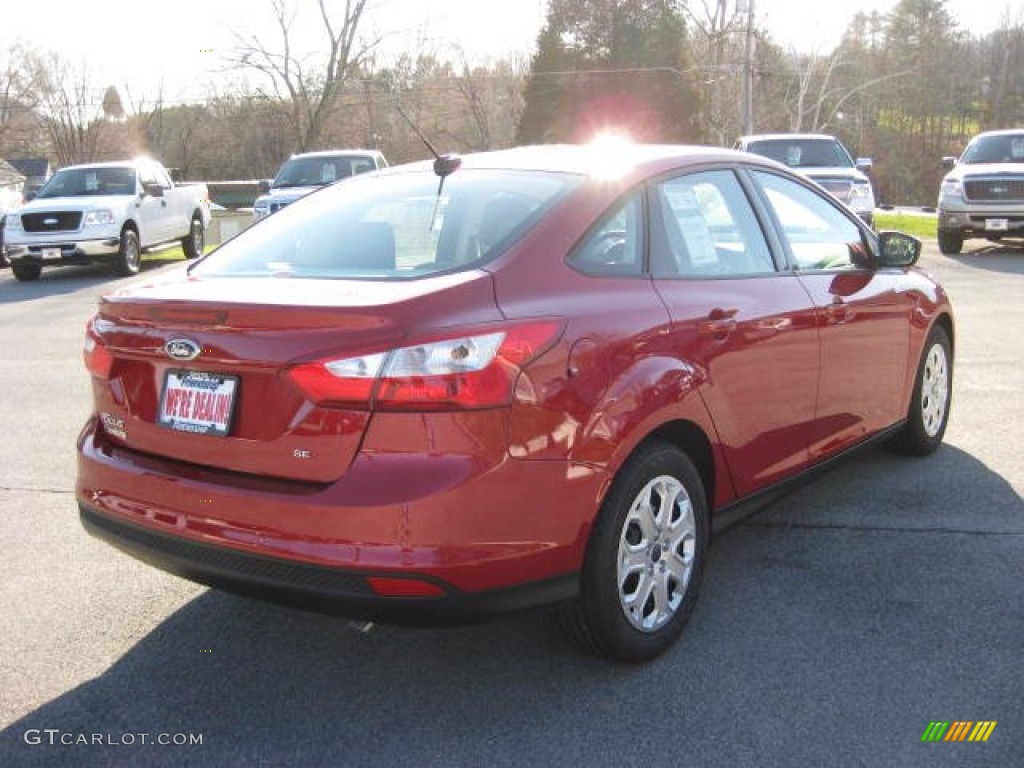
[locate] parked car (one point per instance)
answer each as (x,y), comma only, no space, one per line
(108,212)
(307,172)
(983,193)
(544,381)
(823,159)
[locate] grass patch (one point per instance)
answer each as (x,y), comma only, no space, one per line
(918,225)
(174,253)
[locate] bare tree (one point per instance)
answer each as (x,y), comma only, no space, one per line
(72,112)
(21,86)
(307,87)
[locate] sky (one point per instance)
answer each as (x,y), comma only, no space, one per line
(178,44)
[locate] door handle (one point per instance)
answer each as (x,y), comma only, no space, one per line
(837,312)
(719,323)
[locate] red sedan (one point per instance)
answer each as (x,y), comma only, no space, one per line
(533,376)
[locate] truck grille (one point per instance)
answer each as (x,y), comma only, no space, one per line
(275,207)
(55,221)
(838,188)
(997,190)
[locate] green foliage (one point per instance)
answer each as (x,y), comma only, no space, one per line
(917,224)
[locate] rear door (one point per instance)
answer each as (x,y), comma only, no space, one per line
(863,314)
(750,326)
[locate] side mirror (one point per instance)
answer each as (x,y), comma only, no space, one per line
(153,190)
(264,186)
(30,196)
(898,250)
(864,164)
(948,163)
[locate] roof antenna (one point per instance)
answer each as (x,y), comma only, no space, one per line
(444,165)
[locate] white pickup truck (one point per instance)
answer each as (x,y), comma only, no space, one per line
(105,212)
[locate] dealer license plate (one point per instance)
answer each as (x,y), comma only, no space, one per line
(997,225)
(195,401)
(51,254)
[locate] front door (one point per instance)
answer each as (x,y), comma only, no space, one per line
(748,325)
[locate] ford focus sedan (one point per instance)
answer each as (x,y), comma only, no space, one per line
(447,390)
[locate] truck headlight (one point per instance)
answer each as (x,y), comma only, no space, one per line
(953,187)
(862,198)
(13,222)
(102,216)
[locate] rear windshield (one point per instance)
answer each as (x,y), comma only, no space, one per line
(318,171)
(393,226)
(803,153)
(76,182)
(1006,148)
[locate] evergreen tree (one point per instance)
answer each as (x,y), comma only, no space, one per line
(611,64)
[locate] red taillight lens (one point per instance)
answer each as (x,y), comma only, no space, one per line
(474,370)
(391,587)
(98,359)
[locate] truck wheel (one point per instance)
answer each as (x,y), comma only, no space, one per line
(645,560)
(192,243)
(129,255)
(25,272)
(950,242)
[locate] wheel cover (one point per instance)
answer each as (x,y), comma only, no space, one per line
(657,546)
(934,390)
(197,237)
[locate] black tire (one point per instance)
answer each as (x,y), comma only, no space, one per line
(599,621)
(950,243)
(129,255)
(193,243)
(26,272)
(929,406)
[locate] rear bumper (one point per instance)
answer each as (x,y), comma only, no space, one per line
(317,588)
(486,538)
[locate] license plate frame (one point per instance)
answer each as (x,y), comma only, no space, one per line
(51,254)
(997,225)
(194,402)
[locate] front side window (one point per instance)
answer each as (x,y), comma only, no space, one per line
(707,228)
(394,226)
(819,235)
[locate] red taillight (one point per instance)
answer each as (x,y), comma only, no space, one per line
(390,587)
(475,370)
(98,359)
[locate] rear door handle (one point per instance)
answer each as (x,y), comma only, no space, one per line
(719,324)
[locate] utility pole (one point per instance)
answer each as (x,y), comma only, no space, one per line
(748,68)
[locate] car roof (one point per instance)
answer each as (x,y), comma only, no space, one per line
(113,164)
(632,160)
(786,136)
(335,152)
(1002,132)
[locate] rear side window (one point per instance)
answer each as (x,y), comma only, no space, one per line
(393,226)
(615,246)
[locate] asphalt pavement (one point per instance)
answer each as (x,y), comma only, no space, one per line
(835,625)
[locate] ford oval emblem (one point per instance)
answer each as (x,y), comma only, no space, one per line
(49,222)
(182,349)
